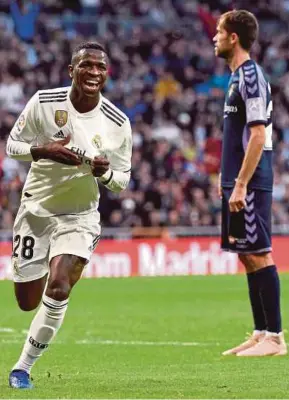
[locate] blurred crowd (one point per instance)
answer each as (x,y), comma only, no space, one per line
(165,77)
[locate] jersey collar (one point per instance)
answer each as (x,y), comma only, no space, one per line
(87,114)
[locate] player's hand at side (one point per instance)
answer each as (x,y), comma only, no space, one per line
(220,185)
(238,198)
(99,166)
(56,152)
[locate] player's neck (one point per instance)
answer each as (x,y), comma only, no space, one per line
(238,58)
(83,104)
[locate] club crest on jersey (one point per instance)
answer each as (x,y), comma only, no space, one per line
(232,89)
(60,118)
(96,141)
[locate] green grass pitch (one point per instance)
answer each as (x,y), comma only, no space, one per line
(147,338)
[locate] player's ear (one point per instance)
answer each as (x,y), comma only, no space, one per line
(70,70)
(234,38)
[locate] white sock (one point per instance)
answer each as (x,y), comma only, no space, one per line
(270,334)
(42,330)
(257,332)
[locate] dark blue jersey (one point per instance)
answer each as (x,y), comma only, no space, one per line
(248,103)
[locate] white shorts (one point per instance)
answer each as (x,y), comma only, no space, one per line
(36,240)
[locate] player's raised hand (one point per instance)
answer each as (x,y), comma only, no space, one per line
(238,198)
(56,152)
(99,166)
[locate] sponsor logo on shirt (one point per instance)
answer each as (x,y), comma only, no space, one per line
(81,154)
(230,109)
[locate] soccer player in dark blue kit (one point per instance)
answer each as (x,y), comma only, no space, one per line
(246,180)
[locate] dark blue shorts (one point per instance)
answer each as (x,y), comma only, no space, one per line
(248,231)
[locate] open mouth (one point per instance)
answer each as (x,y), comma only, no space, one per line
(92,85)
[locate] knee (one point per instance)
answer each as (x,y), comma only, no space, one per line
(255,262)
(246,259)
(29,294)
(242,258)
(58,290)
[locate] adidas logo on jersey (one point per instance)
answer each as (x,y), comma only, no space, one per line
(59,135)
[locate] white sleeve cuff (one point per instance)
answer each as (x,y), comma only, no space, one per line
(105,177)
(19,150)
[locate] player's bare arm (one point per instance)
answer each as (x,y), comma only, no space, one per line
(251,160)
(220,185)
(56,152)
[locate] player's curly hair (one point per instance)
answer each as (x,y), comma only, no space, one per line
(244,24)
(87,46)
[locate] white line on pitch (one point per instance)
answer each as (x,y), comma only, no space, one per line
(143,343)
(120,343)
(8,330)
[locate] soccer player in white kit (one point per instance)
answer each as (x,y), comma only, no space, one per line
(74,137)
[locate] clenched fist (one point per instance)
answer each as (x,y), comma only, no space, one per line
(99,166)
(238,198)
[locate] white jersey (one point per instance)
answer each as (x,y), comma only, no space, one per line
(52,188)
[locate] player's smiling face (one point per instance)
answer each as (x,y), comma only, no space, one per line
(89,71)
(222,42)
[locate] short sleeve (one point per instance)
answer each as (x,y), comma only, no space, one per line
(253,89)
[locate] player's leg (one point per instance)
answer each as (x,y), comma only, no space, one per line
(263,272)
(29,258)
(237,232)
(72,235)
(30,268)
(259,317)
(29,294)
(65,271)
